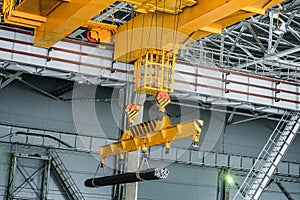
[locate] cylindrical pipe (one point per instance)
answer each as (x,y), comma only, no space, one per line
(148,174)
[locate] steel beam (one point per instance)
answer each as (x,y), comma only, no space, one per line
(66,18)
(11,179)
(251,119)
(16,75)
(279,38)
(10,79)
(45,180)
(41,90)
(29,180)
(195,22)
(284,191)
(262,47)
(237,39)
(270,57)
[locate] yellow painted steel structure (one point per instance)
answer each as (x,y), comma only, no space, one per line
(152,133)
(100,32)
(93,24)
(168,6)
(154,72)
(193,23)
(15,17)
(54,19)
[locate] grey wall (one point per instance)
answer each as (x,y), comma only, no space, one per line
(245,139)
(184,182)
(22,106)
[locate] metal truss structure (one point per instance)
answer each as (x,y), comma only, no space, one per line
(36,180)
(265,45)
(30,174)
(117,14)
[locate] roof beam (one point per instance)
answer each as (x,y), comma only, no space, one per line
(290,19)
(207,12)
(271,56)
(10,79)
(284,191)
(260,44)
(251,119)
(213,28)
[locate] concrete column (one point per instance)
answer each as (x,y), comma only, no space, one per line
(133,161)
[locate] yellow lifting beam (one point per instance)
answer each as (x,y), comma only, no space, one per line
(193,23)
(152,133)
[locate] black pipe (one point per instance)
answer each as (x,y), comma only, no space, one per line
(47,136)
(148,174)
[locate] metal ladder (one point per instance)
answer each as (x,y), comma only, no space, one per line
(65,178)
(269,158)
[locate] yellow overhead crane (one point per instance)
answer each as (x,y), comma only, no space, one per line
(52,20)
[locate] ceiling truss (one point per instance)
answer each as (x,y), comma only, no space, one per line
(265,45)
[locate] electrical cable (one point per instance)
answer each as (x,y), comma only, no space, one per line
(174,24)
(176,21)
(277,21)
(151,23)
(156,26)
(131,39)
(162,24)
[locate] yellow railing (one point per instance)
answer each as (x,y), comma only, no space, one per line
(154,72)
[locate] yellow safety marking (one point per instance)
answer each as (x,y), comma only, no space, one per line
(198,125)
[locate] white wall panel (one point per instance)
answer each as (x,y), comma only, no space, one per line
(68,50)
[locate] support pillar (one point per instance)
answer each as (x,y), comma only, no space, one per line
(125,93)
(131,189)
(45,180)
(11,179)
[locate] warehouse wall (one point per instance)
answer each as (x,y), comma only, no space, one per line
(245,139)
(22,106)
(75,162)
